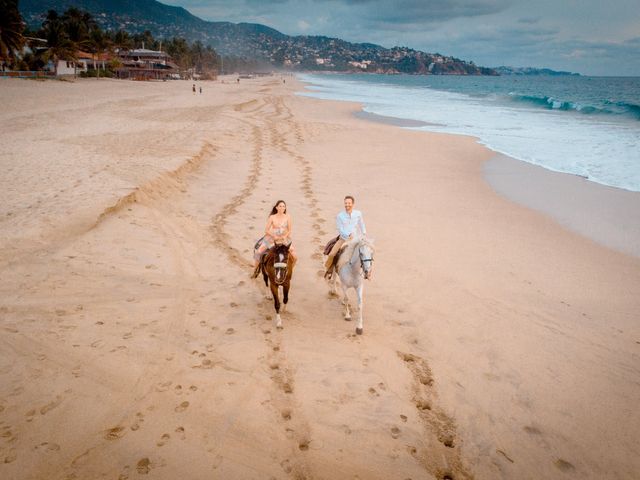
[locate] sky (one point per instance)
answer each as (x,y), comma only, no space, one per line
(591,37)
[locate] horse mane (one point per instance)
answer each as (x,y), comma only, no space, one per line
(347,251)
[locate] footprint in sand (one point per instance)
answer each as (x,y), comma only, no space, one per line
(230,331)
(51,405)
(287,387)
(182,407)
(286,414)
(447,439)
(163,440)
(532,430)
(139,420)
(144,466)
(52,447)
(564,465)
(303,445)
(11,457)
(30,414)
(114,433)
(395,432)
(163,387)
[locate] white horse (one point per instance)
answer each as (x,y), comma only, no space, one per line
(354,266)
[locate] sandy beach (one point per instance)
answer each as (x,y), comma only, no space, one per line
(498,344)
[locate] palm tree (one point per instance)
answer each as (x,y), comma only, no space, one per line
(11,27)
(122,40)
(78,24)
(59,46)
(97,42)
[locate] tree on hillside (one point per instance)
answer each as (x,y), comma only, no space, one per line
(11,28)
(178,49)
(77,24)
(122,40)
(145,40)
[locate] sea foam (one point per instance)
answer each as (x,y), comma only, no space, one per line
(600,143)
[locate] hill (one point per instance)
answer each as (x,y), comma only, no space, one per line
(255,41)
(532,71)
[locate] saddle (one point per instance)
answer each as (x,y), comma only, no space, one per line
(337,259)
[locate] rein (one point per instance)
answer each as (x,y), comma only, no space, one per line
(362,260)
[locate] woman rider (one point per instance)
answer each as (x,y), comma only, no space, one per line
(277,232)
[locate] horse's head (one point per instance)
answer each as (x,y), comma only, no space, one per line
(280,263)
(365,252)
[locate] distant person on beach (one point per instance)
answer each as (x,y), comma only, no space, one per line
(194,88)
(200,90)
(349,223)
(277,232)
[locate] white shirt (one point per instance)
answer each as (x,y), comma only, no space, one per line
(348,224)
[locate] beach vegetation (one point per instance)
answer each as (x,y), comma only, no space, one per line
(11,29)
(75,35)
(59,45)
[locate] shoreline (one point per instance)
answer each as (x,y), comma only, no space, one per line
(610,216)
(607,215)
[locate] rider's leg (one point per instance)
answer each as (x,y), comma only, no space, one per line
(334,250)
(257,255)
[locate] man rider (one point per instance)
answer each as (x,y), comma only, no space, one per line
(349,224)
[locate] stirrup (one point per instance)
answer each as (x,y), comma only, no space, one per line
(329,273)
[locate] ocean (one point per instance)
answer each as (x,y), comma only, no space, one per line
(586,126)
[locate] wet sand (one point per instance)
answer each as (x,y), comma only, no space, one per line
(607,215)
(497,343)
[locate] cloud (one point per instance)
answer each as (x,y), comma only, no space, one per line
(302,25)
(586,36)
(529,20)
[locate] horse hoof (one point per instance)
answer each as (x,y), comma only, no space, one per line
(347,319)
(279,327)
(359,331)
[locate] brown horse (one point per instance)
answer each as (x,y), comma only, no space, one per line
(277,268)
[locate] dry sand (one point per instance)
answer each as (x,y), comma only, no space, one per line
(497,344)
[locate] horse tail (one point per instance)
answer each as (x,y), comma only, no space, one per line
(256,272)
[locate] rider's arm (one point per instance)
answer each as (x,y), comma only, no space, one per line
(342,227)
(363,229)
(289,227)
(267,230)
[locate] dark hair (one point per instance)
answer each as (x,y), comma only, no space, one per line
(274,210)
(352,199)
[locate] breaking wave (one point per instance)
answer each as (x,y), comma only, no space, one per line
(608,107)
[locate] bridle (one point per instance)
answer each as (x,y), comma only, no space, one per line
(279,280)
(362,262)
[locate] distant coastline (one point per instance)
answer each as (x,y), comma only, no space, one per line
(503,70)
